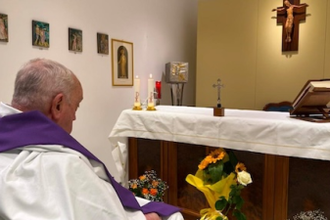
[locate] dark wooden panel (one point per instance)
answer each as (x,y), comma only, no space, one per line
(188,158)
(281,187)
(268,187)
(149,156)
(309,186)
(132,158)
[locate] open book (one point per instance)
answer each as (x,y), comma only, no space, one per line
(313,101)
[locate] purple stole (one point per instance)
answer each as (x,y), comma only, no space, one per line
(34,128)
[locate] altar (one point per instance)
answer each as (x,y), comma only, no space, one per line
(173,139)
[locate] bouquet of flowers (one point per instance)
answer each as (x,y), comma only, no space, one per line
(148,186)
(221,178)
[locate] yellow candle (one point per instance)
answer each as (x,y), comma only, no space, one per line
(151,88)
(137,102)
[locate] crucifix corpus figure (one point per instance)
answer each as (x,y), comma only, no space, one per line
(290,16)
(218,85)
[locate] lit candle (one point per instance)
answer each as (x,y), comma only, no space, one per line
(137,102)
(151,88)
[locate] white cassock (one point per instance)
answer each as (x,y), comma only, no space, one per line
(53,182)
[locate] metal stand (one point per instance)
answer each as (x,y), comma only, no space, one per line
(177,93)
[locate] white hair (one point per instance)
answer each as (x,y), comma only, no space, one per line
(39,81)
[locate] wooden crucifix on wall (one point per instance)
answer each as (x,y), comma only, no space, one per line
(290,15)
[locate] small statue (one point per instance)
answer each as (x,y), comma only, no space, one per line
(289,20)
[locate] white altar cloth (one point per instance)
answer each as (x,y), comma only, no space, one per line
(247,130)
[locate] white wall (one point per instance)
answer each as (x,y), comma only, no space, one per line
(161,31)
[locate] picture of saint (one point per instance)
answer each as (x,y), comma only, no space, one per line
(40,34)
(3,27)
(122,63)
(75,40)
(102,43)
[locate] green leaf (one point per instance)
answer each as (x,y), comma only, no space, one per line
(219,218)
(216,171)
(221,203)
(240,187)
(228,167)
(239,215)
(231,164)
(239,202)
(234,191)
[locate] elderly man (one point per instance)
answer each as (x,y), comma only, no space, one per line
(44,172)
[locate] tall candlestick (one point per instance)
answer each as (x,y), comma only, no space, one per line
(151,90)
(137,102)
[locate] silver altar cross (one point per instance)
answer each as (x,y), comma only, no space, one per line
(218,85)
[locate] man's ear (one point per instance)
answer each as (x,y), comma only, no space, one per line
(57,106)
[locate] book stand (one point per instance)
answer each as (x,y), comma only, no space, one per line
(312,103)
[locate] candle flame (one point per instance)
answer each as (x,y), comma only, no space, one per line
(136,76)
(150,76)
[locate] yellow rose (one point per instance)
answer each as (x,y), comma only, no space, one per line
(244,178)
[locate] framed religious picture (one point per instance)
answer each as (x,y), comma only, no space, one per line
(102,43)
(75,40)
(40,34)
(122,62)
(4,28)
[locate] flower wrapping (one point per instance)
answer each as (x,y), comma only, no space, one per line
(212,192)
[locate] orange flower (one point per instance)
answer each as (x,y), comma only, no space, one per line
(216,155)
(153,191)
(213,157)
(240,167)
(145,191)
(134,186)
(143,177)
(154,183)
(204,163)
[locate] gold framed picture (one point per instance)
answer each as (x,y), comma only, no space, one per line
(122,63)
